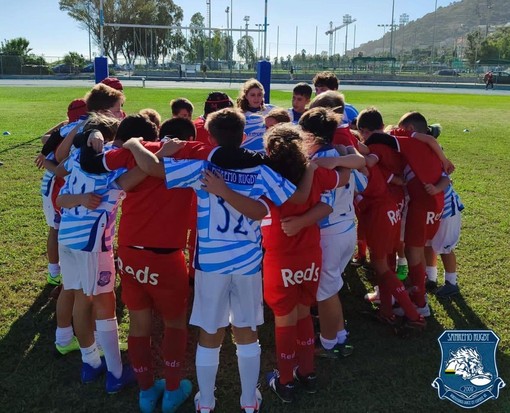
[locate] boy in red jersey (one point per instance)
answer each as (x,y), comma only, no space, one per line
(215,101)
(380,215)
(423,166)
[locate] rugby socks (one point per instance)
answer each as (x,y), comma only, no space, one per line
(398,291)
(386,302)
(451,277)
(64,336)
(207,361)
(108,337)
(248,362)
(431,273)
(401,261)
(327,344)
(417,276)
(90,355)
(173,348)
(305,345)
(140,356)
(54,269)
(285,338)
(341,336)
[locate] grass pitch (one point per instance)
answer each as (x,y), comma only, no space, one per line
(385,374)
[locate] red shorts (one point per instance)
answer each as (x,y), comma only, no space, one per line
(381,224)
(153,280)
(289,281)
(421,224)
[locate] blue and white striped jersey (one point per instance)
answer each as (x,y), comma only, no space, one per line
(84,229)
(47,178)
(452,203)
(255,129)
(48,175)
(227,241)
(343,197)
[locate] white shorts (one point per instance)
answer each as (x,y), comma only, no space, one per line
(447,236)
(52,217)
(92,272)
(223,299)
(337,251)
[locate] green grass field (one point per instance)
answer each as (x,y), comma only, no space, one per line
(385,374)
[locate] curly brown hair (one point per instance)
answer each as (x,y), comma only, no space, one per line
(284,147)
(242,101)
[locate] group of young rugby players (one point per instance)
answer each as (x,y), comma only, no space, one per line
(268,202)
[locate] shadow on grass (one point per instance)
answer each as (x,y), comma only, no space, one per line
(34,377)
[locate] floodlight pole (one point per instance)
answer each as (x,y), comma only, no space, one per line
(392,27)
(101,25)
(265,31)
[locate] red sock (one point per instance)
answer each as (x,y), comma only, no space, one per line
(362,248)
(305,346)
(140,356)
(384,296)
(173,348)
(392,261)
(285,338)
(417,276)
(398,291)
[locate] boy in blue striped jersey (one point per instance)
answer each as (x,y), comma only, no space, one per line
(228,285)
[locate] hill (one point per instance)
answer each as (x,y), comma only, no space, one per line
(445,28)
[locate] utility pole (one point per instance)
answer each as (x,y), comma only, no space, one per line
(246,20)
(393,26)
(347,19)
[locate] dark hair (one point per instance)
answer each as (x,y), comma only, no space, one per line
(284,147)
(320,122)
(327,79)
(105,124)
(416,119)
(134,126)
(226,126)
(176,105)
(216,101)
(179,128)
(330,99)
(242,101)
(279,114)
(370,119)
(303,89)
(102,97)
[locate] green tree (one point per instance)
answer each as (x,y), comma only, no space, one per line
(126,40)
(245,49)
(15,47)
(74,60)
(195,48)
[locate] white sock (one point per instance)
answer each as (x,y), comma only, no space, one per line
(97,341)
(431,273)
(207,361)
(90,355)
(248,362)
(108,337)
(341,336)
(451,277)
(328,344)
(64,336)
(54,269)
(402,261)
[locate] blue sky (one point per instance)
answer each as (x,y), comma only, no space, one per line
(52,33)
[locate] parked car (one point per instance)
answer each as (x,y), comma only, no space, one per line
(502,78)
(88,68)
(447,72)
(63,68)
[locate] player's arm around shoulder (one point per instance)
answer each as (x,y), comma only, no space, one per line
(145,159)
(213,183)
